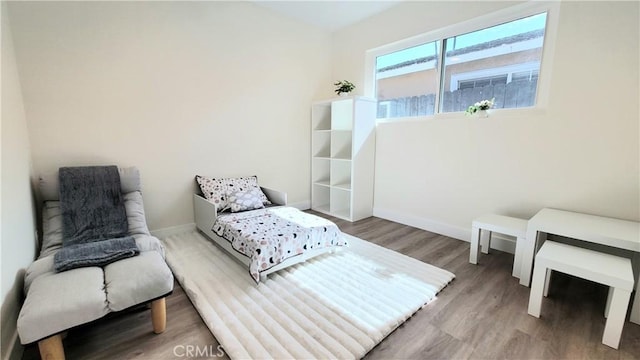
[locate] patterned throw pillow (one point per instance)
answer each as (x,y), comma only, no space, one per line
(245,184)
(214,190)
(245,200)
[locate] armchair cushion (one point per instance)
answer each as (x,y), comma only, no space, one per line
(44,264)
(137,279)
(59,301)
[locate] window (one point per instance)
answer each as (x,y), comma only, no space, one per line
(501,61)
(406,81)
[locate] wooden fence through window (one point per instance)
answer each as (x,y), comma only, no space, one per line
(515,94)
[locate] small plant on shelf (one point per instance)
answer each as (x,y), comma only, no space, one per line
(480,105)
(344,87)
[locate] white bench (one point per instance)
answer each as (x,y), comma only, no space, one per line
(614,233)
(613,271)
(484,226)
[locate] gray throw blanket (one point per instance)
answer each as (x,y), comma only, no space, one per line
(94,218)
(99,253)
(91,203)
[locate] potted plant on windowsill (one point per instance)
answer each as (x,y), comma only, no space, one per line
(344,87)
(481,108)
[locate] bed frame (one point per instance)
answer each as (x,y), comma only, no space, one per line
(206,214)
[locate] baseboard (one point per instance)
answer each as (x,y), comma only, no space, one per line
(12,349)
(302,205)
(173,230)
(498,241)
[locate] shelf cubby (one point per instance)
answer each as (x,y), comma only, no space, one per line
(342,114)
(341,174)
(341,145)
(340,202)
(321,116)
(320,197)
(321,143)
(321,171)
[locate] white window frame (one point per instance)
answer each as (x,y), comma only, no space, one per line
(482,22)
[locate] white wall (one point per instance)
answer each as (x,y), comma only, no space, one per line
(580,154)
(175,88)
(18,242)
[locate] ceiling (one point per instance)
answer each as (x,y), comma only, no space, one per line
(329,15)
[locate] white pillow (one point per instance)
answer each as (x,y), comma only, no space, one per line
(245,200)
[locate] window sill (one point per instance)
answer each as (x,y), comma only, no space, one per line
(494,113)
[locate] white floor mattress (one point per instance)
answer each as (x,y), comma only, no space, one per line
(333,306)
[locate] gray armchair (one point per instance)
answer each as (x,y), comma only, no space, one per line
(58,301)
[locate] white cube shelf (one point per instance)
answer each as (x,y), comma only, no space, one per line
(342,151)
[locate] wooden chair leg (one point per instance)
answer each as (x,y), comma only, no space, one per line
(159,315)
(51,348)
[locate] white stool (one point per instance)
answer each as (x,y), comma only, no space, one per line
(483,226)
(613,271)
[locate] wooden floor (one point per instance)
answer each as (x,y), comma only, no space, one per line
(482,314)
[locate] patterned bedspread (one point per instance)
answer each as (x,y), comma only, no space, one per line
(270,236)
